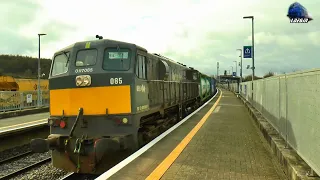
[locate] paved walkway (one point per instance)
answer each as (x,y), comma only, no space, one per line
(228,146)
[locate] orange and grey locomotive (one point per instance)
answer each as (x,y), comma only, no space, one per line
(108,96)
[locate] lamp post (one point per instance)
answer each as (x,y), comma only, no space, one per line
(240,64)
(218,72)
(39,75)
(253,67)
(232,69)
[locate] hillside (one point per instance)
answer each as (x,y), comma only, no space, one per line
(23,66)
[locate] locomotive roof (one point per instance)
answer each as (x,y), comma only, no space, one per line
(98,42)
(170,60)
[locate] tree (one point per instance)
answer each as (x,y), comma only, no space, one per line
(28,73)
(269,74)
(249,78)
(23,66)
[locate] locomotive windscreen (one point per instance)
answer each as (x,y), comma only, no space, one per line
(116,59)
(86,57)
(60,64)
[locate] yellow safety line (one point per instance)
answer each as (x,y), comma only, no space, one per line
(167,162)
(6,127)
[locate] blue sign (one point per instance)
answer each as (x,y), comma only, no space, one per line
(298,14)
(247,51)
(234,74)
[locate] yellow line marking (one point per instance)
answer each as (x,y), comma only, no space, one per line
(167,162)
(32,122)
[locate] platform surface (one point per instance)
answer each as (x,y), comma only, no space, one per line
(23,121)
(227,146)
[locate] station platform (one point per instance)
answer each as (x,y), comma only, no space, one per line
(12,123)
(219,142)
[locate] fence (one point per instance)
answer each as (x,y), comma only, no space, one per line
(291,104)
(18,100)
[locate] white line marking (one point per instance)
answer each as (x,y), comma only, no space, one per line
(31,122)
(22,127)
(217,109)
(132,157)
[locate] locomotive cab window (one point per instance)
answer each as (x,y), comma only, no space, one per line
(141,67)
(86,57)
(116,59)
(60,64)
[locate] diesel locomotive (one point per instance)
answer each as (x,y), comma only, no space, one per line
(107,96)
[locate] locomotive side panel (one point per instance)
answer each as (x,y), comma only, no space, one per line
(141,86)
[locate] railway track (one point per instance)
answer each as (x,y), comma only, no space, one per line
(71,176)
(21,163)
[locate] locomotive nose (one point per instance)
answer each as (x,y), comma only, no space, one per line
(39,145)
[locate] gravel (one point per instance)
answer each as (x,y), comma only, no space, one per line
(14,151)
(81,177)
(10,167)
(44,172)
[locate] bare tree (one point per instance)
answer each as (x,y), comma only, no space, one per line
(249,78)
(269,74)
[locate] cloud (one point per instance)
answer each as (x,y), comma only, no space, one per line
(198,33)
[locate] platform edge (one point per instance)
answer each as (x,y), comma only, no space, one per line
(9,114)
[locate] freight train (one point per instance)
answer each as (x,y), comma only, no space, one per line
(107,96)
(9,83)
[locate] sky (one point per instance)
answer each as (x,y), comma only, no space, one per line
(198,33)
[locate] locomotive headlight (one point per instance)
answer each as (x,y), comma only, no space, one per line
(124,120)
(79,80)
(86,81)
(83,80)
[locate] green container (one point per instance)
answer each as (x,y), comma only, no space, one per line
(205,87)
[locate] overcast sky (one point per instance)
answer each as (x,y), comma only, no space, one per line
(198,33)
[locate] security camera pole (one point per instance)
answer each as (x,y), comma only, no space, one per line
(236,67)
(39,75)
(253,67)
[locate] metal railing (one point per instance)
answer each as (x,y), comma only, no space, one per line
(291,104)
(19,100)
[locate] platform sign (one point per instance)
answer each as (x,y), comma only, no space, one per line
(247,51)
(29,98)
(234,74)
